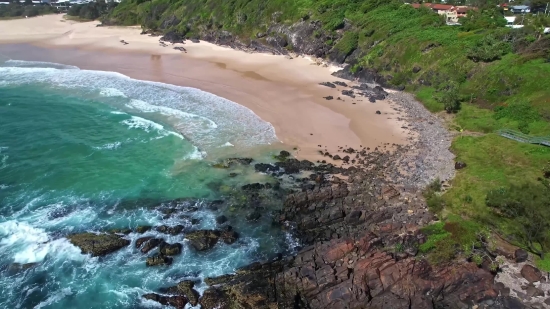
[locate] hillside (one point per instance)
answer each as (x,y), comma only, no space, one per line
(487,76)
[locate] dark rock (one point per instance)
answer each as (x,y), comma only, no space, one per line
(151,244)
(158,260)
(378,113)
(328,97)
(346,159)
(372,99)
(265,168)
(186,288)
(253,216)
(213,298)
(16,268)
(143,229)
(534,292)
(336,157)
(277,41)
(195,40)
(349,93)
(171,230)
(173,37)
(221,219)
(98,244)
(256,186)
(532,274)
(121,231)
(170,249)
(328,84)
(227,163)
(232,175)
(229,237)
(177,302)
(339,83)
(203,239)
(459,165)
(416,69)
(520,255)
(141,240)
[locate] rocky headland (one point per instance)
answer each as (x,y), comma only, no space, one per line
(358,218)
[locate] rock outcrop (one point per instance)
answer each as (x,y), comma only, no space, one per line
(98,244)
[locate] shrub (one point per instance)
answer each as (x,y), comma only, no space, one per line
(448,95)
(488,49)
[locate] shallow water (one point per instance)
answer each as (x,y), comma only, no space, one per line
(92,151)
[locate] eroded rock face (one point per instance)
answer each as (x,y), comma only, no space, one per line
(203,239)
(98,244)
(158,260)
(532,274)
(178,302)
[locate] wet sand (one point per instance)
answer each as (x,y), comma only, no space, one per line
(282,91)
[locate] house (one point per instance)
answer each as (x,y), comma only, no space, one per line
(452,13)
(520,9)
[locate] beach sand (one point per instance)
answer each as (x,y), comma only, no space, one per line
(282,91)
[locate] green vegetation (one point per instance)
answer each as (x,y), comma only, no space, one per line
(91,11)
(489,76)
(16,10)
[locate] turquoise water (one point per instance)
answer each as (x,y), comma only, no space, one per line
(91,151)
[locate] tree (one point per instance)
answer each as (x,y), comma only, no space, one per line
(528,206)
(448,95)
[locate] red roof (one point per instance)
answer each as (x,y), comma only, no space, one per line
(441,7)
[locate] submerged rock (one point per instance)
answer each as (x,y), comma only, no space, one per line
(227,163)
(203,239)
(98,244)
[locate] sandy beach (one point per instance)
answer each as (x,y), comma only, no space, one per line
(282,91)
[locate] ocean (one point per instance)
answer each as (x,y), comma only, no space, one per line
(92,151)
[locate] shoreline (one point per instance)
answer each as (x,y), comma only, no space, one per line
(284,92)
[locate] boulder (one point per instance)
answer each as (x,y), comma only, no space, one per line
(339,83)
(142,240)
(328,84)
(143,229)
(171,230)
(151,244)
(186,288)
(213,298)
(532,274)
(336,157)
(221,219)
(349,93)
(520,255)
(459,165)
(98,244)
(378,113)
(177,302)
(158,260)
(265,168)
(328,98)
(229,237)
(170,249)
(416,69)
(203,239)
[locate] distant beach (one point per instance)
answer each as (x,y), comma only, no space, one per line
(282,91)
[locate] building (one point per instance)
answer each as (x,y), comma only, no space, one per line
(452,13)
(520,9)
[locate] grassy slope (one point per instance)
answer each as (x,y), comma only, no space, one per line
(394,38)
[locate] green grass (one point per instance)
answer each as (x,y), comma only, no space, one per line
(493,162)
(507,88)
(543,265)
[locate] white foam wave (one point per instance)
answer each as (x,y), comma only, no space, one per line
(228,144)
(136,122)
(52,299)
(2,187)
(192,112)
(118,113)
(109,146)
(149,108)
(31,245)
(196,154)
(112,92)
(39,64)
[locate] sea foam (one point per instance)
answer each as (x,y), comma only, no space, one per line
(205,119)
